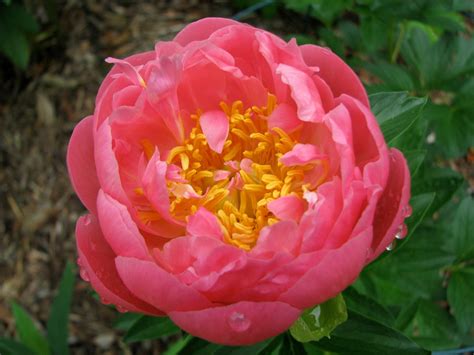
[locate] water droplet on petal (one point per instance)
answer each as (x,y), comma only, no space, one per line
(79,261)
(84,274)
(391,246)
(402,231)
(87,220)
(239,322)
(104,300)
(407,211)
(121,309)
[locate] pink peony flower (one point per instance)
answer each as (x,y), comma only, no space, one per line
(232,180)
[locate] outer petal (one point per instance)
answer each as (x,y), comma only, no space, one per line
(97,260)
(390,214)
(81,164)
(241,323)
(156,286)
(337,74)
(119,229)
(337,270)
(202,29)
(281,236)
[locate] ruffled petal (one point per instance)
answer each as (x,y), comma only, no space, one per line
(202,29)
(204,223)
(215,126)
(97,260)
(287,208)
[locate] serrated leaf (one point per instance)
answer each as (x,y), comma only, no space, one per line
(460,292)
(318,322)
(28,332)
(361,335)
(58,320)
(12,347)
(147,327)
(396,112)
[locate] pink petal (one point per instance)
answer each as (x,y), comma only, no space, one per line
(204,223)
(215,126)
(281,236)
(119,229)
(202,29)
(284,117)
(241,323)
(318,285)
(129,70)
(303,92)
(390,214)
(337,74)
(151,283)
(287,208)
(97,260)
(221,175)
(302,154)
(81,164)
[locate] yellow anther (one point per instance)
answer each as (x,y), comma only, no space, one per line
(174,153)
(203,174)
(184,161)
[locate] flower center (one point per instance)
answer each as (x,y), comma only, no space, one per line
(238,183)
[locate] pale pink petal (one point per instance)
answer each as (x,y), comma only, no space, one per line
(284,117)
(159,288)
(215,126)
(337,74)
(183,190)
(302,154)
(119,229)
(221,175)
(81,164)
(287,207)
(96,259)
(304,93)
(202,29)
(129,70)
(390,211)
(204,223)
(318,285)
(241,323)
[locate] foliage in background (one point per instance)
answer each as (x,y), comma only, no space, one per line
(31,338)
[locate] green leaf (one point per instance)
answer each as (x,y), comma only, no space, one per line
(396,112)
(12,347)
(394,77)
(176,347)
(374,33)
(462,239)
(434,328)
(414,158)
(367,307)
(460,292)
(28,333)
(59,316)
(14,45)
(320,321)
(269,346)
(147,327)
(361,335)
(124,321)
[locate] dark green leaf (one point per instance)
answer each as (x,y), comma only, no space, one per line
(319,321)
(396,112)
(28,333)
(462,240)
(434,328)
(414,158)
(147,327)
(14,45)
(268,346)
(394,77)
(59,316)
(374,33)
(12,347)
(181,344)
(125,320)
(361,335)
(460,292)
(367,307)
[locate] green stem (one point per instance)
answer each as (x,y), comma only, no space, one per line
(398,44)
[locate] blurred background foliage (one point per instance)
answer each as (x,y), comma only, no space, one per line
(416,59)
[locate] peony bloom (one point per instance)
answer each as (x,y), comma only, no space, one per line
(232,180)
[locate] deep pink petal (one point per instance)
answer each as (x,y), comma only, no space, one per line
(241,323)
(287,208)
(215,126)
(391,208)
(284,117)
(149,282)
(96,259)
(119,229)
(279,237)
(337,74)
(337,270)
(204,224)
(202,29)
(81,164)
